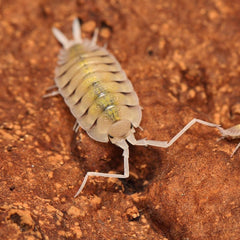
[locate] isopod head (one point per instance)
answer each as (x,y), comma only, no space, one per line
(120,130)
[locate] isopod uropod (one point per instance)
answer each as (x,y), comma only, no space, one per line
(101,97)
(231,133)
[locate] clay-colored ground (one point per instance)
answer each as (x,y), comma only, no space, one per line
(183,58)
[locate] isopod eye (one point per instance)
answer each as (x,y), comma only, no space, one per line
(111,137)
(132,126)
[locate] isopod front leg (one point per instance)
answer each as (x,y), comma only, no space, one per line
(165,144)
(145,142)
(125,148)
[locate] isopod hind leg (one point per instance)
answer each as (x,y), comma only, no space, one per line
(235,150)
(124,146)
(52,87)
(76,126)
(51,94)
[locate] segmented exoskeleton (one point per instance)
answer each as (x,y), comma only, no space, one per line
(231,133)
(100,96)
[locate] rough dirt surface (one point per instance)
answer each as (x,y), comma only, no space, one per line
(183,58)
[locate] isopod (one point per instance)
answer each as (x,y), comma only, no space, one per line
(101,97)
(231,133)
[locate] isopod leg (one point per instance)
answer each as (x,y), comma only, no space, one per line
(190,124)
(221,130)
(52,94)
(219,139)
(51,87)
(122,145)
(165,144)
(145,142)
(76,126)
(235,150)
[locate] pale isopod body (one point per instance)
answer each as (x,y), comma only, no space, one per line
(100,96)
(231,133)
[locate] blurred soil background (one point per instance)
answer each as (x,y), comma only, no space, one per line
(183,58)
